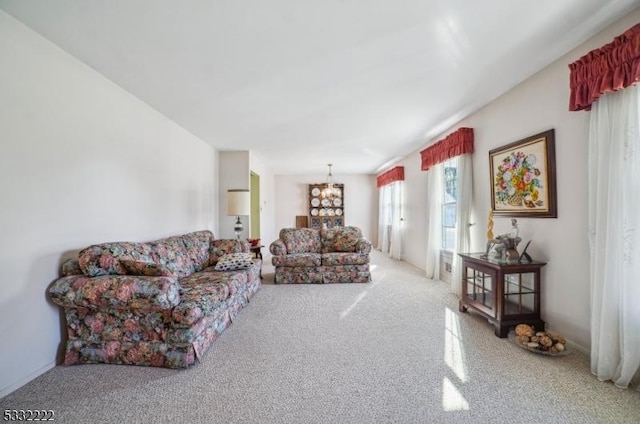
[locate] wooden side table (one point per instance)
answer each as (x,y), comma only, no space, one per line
(506,293)
(257,250)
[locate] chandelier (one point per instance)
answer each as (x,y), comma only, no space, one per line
(330,191)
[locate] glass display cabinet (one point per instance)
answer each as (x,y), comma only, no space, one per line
(506,293)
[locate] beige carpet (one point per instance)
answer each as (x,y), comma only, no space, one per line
(393,351)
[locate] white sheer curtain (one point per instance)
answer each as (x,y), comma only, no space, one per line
(463,217)
(434,220)
(383,218)
(397,227)
(390,221)
(614,235)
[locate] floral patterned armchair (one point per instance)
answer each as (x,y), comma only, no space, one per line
(335,255)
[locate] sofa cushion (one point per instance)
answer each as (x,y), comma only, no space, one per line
(297,259)
(172,253)
(301,240)
(340,239)
(234,280)
(332,259)
(222,247)
(104,258)
(150,269)
(209,276)
(198,245)
(234,261)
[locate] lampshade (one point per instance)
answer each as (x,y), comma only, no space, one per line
(238,202)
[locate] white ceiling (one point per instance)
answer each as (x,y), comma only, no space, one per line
(358,83)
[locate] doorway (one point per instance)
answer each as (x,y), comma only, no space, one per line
(255,205)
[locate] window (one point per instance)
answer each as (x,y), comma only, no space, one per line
(449,202)
(390,219)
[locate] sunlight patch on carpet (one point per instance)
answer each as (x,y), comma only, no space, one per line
(353,305)
(452,399)
(453,355)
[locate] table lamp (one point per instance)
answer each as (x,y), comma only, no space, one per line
(238,204)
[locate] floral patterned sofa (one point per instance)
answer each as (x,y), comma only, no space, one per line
(335,255)
(159,303)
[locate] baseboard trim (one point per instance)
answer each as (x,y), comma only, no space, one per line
(4,391)
(571,343)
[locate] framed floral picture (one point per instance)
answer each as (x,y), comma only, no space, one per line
(523,177)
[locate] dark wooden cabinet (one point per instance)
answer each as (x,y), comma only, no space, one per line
(326,212)
(505,293)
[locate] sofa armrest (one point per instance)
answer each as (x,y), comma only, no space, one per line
(363,246)
(116,291)
(278,248)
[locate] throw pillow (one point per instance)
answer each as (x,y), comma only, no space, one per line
(234,261)
(148,269)
(346,239)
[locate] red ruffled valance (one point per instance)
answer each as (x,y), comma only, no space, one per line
(613,67)
(392,175)
(455,144)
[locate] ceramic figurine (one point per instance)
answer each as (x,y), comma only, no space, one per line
(490,226)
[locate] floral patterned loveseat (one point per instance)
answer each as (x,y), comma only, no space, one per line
(334,255)
(159,303)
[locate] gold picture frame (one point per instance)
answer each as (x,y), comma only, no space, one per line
(523,177)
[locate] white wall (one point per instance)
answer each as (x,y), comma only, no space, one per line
(538,104)
(81,161)
(360,200)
